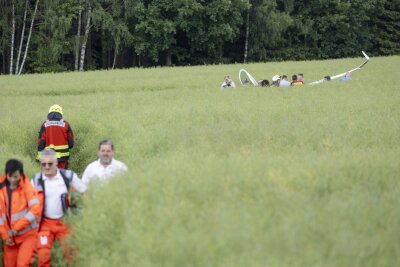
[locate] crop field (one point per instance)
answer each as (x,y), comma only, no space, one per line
(279,177)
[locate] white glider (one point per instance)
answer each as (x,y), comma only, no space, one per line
(245,78)
(344,73)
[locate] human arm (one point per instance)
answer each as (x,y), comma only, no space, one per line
(3,229)
(42,138)
(70,137)
(88,174)
(34,207)
(77,184)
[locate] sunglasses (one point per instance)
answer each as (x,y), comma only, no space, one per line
(47,163)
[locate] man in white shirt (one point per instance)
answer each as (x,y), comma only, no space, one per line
(284,82)
(53,185)
(228,82)
(106,166)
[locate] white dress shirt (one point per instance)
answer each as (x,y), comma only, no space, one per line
(54,188)
(96,171)
(284,83)
(226,85)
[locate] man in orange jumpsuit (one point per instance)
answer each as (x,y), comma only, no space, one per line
(56,133)
(53,185)
(18,222)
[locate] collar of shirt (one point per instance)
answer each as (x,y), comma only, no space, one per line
(57,176)
(105,167)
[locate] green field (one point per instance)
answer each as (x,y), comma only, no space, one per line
(302,176)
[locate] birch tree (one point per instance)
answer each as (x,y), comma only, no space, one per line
(85,38)
(78,39)
(22,38)
(29,38)
(246,42)
(12,37)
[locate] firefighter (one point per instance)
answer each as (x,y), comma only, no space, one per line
(56,133)
(53,186)
(18,222)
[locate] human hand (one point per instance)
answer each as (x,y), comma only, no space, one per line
(9,242)
(13,232)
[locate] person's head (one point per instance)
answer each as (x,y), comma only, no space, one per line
(276,79)
(284,77)
(300,76)
(264,83)
(294,77)
(14,170)
(227,80)
(55,112)
(48,162)
(105,152)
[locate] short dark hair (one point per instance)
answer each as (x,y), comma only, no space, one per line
(106,142)
(14,165)
(294,77)
(264,83)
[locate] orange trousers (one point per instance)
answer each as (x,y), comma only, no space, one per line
(51,229)
(21,254)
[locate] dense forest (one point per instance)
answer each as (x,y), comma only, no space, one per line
(75,35)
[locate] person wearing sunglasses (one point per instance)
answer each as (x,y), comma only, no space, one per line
(53,186)
(19,213)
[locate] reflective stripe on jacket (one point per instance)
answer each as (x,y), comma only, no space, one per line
(57,135)
(25,210)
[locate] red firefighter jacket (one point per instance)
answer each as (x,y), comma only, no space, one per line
(58,135)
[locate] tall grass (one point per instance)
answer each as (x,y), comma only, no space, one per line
(302,176)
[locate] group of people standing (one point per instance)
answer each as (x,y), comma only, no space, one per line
(32,211)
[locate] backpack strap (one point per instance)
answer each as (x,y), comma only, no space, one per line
(38,181)
(38,184)
(67,176)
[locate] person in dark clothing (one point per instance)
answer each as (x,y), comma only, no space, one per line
(263,83)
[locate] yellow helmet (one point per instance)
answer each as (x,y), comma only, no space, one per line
(56,108)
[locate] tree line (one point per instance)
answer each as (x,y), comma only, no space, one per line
(75,35)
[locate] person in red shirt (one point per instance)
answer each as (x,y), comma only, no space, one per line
(56,133)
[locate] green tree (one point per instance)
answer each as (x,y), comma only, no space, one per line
(155,30)
(208,25)
(189,31)
(110,21)
(267,25)
(53,40)
(329,29)
(387,31)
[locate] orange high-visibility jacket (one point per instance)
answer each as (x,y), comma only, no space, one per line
(23,214)
(57,135)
